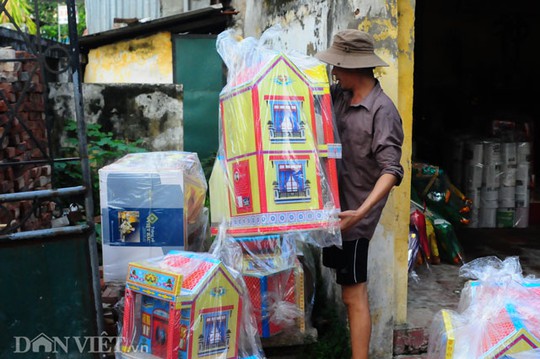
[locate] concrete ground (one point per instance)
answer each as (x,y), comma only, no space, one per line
(439,286)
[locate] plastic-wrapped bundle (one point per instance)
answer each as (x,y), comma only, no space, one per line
(275,171)
(274,182)
(187,305)
(499,314)
(432,239)
(151,203)
(418,220)
(274,278)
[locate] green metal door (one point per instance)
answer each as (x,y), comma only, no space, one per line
(198,67)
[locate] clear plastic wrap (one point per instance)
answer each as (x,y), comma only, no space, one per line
(187,305)
(529,354)
(274,182)
(498,314)
(275,171)
(151,203)
(274,278)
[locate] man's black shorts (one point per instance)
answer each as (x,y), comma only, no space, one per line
(350,262)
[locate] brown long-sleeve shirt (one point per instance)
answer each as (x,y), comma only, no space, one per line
(371,135)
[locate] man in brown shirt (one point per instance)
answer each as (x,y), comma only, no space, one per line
(371,135)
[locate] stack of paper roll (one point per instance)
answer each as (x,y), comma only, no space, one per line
(474,196)
(522,184)
(473,154)
(491,180)
(507,189)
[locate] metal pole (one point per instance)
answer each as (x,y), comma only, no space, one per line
(45,233)
(44,193)
(83,154)
(58,21)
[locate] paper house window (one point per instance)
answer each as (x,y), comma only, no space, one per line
(286,124)
(291,184)
(216,333)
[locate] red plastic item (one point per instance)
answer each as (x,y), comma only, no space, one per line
(418,220)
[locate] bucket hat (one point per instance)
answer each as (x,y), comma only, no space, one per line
(351,49)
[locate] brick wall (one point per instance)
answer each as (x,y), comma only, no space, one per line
(23,132)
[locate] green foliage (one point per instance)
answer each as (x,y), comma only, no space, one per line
(48,13)
(103,149)
(333,336)
(21,13)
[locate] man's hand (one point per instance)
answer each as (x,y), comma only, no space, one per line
(383,186)
(349,219)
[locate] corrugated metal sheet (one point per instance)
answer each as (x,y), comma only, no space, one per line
(100,14)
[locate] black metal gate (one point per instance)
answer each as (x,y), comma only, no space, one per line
(50,297)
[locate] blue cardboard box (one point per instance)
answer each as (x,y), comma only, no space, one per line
(143,207)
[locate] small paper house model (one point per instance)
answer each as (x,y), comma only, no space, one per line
(517,327)
(151,203)
(503,325)
(277,141)
(275,283)
(183,306)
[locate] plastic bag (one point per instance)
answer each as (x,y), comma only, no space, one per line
(275,171)
(273,275)
(498,314)
(151,203)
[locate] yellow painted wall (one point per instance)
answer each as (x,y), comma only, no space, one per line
(397,82)
(142,60)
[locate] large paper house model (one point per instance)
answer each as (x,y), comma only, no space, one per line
(277,135)
(183,306)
